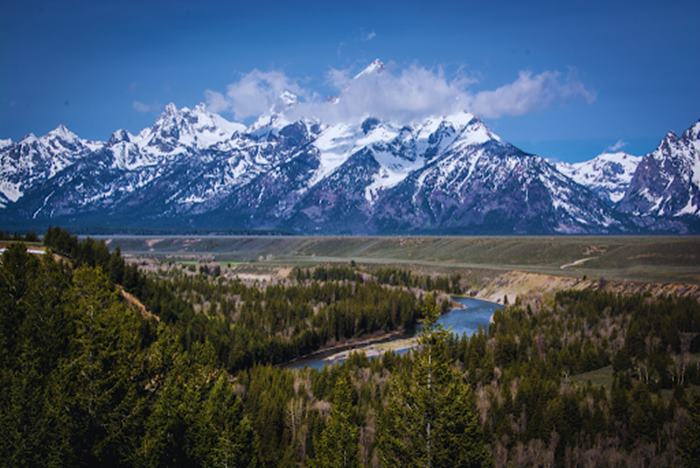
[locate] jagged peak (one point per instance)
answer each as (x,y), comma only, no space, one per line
(473,130)
(204,116)
(461,119)
(669,139)
(170,108)
(199,109)
(693,132)
(28,138)
(169,114)
(376,66)
(119,136)
(61,131)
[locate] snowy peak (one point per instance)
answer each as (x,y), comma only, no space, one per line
(462,119)
(59,143)
(471,130)
(667,181)
(169,109)
(62,133)
(455,132)
(177,130)
(275,118)
(693,132)
(617,157)
(28,138)
(119,136)
(377,66)
(387,153)
(267,123)
(33,159)
(608,174)
(398,149)
(668,144)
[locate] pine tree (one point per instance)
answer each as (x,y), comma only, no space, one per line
(337,446)
(97,386)
(429,418)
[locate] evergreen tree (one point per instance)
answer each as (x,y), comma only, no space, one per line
(337,446)
(429,418)
(97,387)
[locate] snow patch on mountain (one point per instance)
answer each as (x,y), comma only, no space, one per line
(34,159)
(335,144)
(608,174)
(177,130)
(392,170)
(667,180)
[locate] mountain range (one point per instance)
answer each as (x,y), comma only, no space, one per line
(193,170)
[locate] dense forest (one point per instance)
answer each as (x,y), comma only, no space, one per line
(89,379)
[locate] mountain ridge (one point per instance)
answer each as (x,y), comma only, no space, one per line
(449,174)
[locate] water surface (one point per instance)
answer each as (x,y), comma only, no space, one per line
(463,320)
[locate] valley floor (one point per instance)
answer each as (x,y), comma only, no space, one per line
(497,265)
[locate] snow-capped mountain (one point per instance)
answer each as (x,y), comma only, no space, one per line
(446,172)
(667,180)
(442,174)
(608,174)
(33,160)
(491,186)
(175,132)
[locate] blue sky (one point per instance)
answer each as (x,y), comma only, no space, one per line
(599,72)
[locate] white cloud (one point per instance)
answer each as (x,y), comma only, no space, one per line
(338,79)
(407,94)
(528,93)
(396,93)
(143,107)
(256,92)
(617,146)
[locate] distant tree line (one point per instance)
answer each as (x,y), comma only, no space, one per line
(400,277)
(17,236)
(327,273)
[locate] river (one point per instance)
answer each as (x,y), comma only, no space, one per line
(463,320)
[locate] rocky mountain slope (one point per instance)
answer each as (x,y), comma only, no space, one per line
(667,180)
(608,174)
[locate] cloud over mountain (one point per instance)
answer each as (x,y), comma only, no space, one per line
(395,93)
(254,93)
